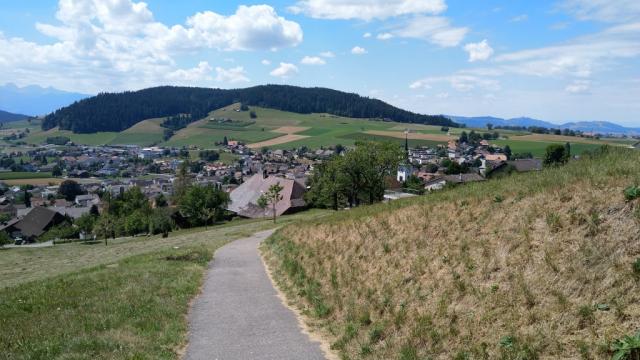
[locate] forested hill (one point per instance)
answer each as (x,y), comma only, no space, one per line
(119,111)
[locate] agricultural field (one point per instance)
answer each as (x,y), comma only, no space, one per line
(277,129)
(144,133)
(24,175)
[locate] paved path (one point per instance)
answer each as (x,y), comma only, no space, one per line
(239,315)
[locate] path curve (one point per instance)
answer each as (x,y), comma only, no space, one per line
(239,314)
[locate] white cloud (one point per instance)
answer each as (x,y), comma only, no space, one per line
(578,87)
(366,9)
(366,35)
(196,74)
(232,75)
(312,60)
(117,44)
(459,82)
(434,29)
(478,51)
(357,50)
(285,70)
(384,36)
(519,18)
(327,54)
(265,62)
(442,95)
(577,58)
(603,10)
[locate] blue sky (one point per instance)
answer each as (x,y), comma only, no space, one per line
(559,60)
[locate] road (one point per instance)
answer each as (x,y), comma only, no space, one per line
(239,314)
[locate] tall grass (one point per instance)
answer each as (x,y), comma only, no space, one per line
(545,273)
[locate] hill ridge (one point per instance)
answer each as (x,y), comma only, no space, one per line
(118,111)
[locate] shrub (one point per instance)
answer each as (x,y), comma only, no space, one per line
(632,193)
(586,314)
(636,267)
(627,348)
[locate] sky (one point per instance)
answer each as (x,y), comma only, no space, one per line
(557,60)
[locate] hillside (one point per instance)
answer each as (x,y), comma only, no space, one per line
(533,266)
(6,116)
(119,111)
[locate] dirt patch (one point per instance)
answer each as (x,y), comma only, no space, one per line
(277,141)
(412,136)
(290,129)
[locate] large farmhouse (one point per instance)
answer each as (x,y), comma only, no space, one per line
(244,199)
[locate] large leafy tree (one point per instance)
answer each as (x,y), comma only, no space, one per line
(358,176)
(555,154)
(69,189)
(203,204)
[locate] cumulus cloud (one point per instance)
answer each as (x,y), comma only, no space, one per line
(312,60)
(478,51)
(366,10)
(366,35)
(434,29)
(327,54)
(285,70)
(198,73)
(357,50)
(117,44)
(232,75)
(384,36)
(265,62)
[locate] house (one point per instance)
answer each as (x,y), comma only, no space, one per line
(525,165)
(34,224)
(495,157)
(245,197)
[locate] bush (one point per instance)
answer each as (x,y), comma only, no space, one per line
(627,348)
(61,231)
(632,193)
(636,267)
(4,238)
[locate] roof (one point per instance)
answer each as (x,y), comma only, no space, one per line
(245,197)
(463,178)
(36,222)
(526,164)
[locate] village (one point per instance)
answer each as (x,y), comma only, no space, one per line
(87,173)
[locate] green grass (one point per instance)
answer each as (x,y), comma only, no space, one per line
(127,300)
(100,138)
(371,137)
(143,139)
(538,148)
(24,175)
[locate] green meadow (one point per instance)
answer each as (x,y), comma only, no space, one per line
(311,130)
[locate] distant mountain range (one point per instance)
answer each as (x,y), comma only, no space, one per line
(9,117)
(34,100)
(601,127)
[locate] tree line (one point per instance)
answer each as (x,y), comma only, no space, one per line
(119,111)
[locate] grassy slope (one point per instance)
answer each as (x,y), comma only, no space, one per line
(127,300)
(144,133)
(511,268)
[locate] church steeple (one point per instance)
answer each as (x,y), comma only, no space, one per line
(406,145)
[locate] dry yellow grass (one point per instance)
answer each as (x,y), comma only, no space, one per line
(456,274)
(277,141)
(290,129)
(412,136)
